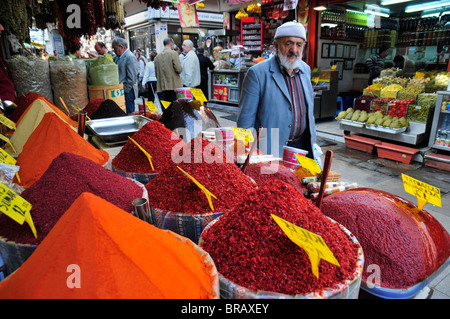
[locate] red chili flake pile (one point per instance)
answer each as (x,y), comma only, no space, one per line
(263,172)
(23,102)
(173,191)
(389,237)
(157,140)
(67,177)
(250,249)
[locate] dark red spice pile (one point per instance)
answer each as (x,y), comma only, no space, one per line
(157,140)
(67,177)
(90,108)
(389,237)
(250,249)
(263,172)
(173,191)
(23,102)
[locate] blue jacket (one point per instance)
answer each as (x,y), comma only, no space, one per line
(265,102)
(128,67)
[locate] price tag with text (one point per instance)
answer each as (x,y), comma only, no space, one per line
(6,158)
(308,163)
(203,188)
(313,244)
(15,207)
(7,122)
(242,134)
(424,193)
(198,95)
(151,106)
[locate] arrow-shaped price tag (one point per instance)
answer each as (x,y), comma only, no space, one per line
(424,193)
(3,137)
(313,244)
(166,104)
(7,122)
(308,163)
(149,157)
(15,207)
(198,95)
(207,192)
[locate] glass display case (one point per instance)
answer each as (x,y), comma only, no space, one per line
(225,86)
(440,129)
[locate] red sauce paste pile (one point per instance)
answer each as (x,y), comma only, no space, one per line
(250,249)
(173,191)
(390,237)
(157,140)
(67,177)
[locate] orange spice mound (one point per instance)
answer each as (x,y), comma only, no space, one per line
(115,255)
(50,138)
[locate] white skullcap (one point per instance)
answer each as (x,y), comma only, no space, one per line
(291,29)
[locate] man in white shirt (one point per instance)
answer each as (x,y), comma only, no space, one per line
(190,76)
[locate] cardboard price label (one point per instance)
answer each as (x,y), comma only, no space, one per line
(203,188)
(308,163)
(165,104)
(151,106)
(7,122)
(242,134)
(6,158)
(313,244)
(3,137)
(15,207)
(424,193)
(149,157)
(198,95)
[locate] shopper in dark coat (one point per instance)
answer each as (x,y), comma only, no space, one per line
(205,64)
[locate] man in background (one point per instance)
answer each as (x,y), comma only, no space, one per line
(128,71)
(205,64)
(168,69)
(376,63)
(190,76)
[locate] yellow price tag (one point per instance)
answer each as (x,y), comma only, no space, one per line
(243,134)
(207,192)
(6,158)
(198,95)
(3,137)
(145,152)
(333,67)
(313,244)
(308,163)
(7,122)
(15,207)
(424,193)
(165,104)
(151,106)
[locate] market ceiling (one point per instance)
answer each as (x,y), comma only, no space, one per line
(396,10)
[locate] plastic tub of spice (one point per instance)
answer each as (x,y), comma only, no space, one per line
(289,154)
(347,289)
(184,94)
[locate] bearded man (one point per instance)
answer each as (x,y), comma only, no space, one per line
(277,95)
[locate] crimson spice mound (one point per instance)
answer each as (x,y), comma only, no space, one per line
(157,140)
(66,178)
(251,250)
(407,244)
(173,191)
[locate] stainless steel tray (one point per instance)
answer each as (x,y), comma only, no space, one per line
(115,130)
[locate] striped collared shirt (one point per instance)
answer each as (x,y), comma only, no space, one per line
(295,89)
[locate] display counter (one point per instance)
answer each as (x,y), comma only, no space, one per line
(225,86)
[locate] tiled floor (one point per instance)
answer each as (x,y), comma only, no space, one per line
(370,171)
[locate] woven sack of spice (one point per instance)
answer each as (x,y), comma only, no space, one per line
(103,72)
(30,74)
(69,82)
(407,245)
(256,259)
(180,205)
